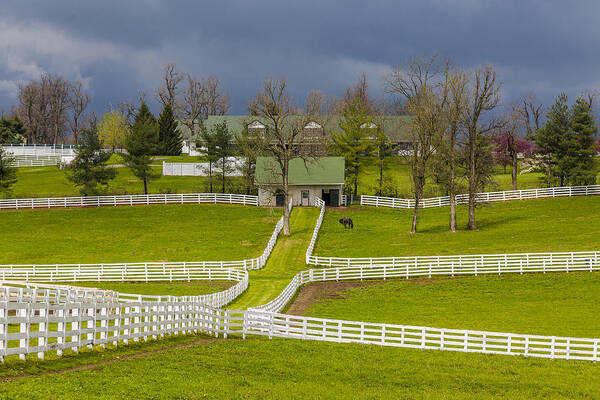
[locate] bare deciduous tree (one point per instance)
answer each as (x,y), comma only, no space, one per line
(58,101)
(316,103)
(483,97)
(43,107)
(193,105)
(217,102)
(454,92)
(78,102)
(168,93)
(419,83)
(531,112)
(284,125)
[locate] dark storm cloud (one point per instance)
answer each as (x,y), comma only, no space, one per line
(119,47)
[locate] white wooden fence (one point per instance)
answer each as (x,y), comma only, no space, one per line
(128,200)
(313,240)
(35,161)
(564,191)
(40,319)
(39,150)
(202,169)
(419,337)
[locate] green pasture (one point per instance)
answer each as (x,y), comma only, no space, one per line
(540,225)
(205,232)
(555,304)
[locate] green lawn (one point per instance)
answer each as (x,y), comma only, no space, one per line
(135,234)
(293,369)
(52,182)
(194,288)
(543,225)
(557,304)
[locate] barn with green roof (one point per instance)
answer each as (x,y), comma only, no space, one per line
(308,179)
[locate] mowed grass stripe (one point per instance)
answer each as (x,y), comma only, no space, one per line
(286,260)
(540,225)
(203,232)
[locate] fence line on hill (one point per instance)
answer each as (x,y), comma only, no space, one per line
(563,191)
(313,240)
(41,322)
(14,290)
(128,200)
(35,161)
(202,169)
(443,266)
(39,149)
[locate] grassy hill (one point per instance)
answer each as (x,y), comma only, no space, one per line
(541,225)
(135,234)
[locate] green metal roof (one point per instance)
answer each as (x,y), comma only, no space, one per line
(312,171)
(395,127)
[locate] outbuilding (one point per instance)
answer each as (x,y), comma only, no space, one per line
(308,179)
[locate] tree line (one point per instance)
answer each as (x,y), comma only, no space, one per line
(458,131)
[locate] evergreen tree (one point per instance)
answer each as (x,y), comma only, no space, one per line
(141,145)
(355,140)
(248,146)
(169,137)
(223,150)
(89,169)
(11,131)
(145,120)
(8,173)
(208,150)
(578,163)
(566,143)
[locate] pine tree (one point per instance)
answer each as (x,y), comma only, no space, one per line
(355,140)
(223,150)
(141,144)
(169,137)
(579,167)
(208,149)
(549,138)
(566,143)
(145,118)
(8,173)
(89,169)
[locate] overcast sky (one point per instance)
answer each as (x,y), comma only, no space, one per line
(119,48)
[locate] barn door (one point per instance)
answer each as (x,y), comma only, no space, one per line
(335,197)
(305,198)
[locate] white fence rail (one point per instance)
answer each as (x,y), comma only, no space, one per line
(420,337)
(483,263)
(39,319)
(128,200)
(35,161)
(411,267)
(39,150)
(202,169)
(564,191)
(313,240)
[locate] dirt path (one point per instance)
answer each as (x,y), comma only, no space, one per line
(86,367)
(315,292)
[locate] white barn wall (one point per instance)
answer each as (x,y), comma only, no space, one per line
(266,194)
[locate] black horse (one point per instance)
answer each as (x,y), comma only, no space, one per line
(347,222)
